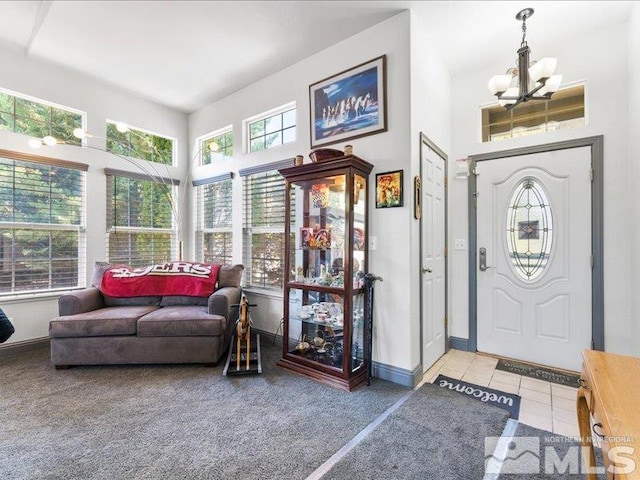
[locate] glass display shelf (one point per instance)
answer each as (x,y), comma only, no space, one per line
(326,251)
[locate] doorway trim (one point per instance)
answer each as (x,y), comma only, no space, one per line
(427,142)
(597,231)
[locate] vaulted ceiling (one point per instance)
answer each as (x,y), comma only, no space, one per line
(186,54)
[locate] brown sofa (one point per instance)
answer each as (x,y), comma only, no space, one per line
(93,329)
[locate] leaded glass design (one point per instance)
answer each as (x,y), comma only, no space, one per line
(529,229)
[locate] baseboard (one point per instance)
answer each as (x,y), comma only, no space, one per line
(379,370)
(459,343)
(23,346)
(397,375)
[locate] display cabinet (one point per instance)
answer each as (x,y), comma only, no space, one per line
(326,260)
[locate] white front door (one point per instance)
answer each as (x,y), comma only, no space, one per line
(534,257)
(433,268)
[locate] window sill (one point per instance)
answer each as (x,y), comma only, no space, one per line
(263,292)
(36,296)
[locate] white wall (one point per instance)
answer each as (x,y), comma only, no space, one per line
(634,174)
(430,115)
(391,150)
(607,107)
(42,80)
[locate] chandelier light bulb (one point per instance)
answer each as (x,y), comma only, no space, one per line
(35,143)
(543,68)
(122,127)
(499,83)
(50,141)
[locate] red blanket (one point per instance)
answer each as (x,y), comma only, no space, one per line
(175,278)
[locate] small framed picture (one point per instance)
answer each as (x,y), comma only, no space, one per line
(306,237)
(389,189)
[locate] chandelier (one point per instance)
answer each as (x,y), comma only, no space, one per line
(528,80)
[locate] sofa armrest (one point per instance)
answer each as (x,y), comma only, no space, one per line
(221,300)
(81,301)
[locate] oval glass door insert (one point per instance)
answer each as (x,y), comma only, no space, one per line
(529,229)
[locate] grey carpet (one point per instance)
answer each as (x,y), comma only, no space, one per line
(174,422)
(553,456)
(435,434)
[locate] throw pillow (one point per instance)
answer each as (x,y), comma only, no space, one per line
(230,276)
(6,328)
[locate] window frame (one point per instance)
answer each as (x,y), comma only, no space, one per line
(485,137)
(201,230)
(112,228)
(80,227)
(134,129)
(246,125)
(50,124)
(202,150)
(248,230)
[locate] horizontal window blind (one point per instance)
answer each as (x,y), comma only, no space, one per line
(264,225)
(140,221)
(42,226)
(214,233)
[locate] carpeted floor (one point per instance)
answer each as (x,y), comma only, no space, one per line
(435,434)
(190,422)
(173,422)
(546,456)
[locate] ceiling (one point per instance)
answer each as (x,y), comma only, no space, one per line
(187,54)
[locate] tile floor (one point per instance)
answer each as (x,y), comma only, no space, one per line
(544,405)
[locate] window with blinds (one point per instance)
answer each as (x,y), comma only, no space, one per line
(214,235)
(38,118)
(564,110)
(264,224)
(141,229)
(42,224)
(136,143)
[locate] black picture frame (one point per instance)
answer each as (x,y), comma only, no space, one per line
(349,104)
(389,189)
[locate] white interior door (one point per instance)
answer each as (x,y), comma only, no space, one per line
(534,257)
(433,257)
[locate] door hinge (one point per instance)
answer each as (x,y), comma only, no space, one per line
(591,174)
(446,180)
(446,322)
(591,261)
(446,251)
(593,345)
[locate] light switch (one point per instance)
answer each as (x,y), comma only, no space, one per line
(459,244)
(373,242)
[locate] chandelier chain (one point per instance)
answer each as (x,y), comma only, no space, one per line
(524,31)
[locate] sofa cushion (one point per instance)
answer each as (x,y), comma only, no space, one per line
(181,322)
(105,321)
(230,275)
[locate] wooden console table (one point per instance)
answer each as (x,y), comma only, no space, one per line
(610,393)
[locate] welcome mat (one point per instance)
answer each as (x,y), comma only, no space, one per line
(506,401)
(541,373)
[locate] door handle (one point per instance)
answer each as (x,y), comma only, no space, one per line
(426,270)
(482,259)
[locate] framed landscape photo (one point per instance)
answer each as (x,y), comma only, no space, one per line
(350,104)
(389,189)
